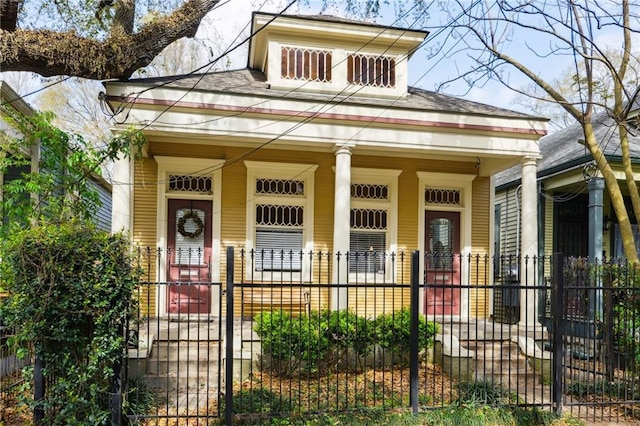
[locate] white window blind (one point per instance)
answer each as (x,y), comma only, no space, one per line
(278,249)
(367,251)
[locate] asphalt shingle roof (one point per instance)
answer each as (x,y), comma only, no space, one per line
(253,82)
(563,148)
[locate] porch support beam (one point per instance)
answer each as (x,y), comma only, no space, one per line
(341,226)
(596,202)
(122,195)
(596,254)
(529,244)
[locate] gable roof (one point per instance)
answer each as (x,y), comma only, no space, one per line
(251,82)
(338,20)
(562,150)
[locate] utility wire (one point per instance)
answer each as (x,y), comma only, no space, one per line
(322,109)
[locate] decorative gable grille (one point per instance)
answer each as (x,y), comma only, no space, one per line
(305,64)
(451,197)
(368,70)
(186,183)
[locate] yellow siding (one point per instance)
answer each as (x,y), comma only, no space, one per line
(480,226)
(144,225)
(370,302)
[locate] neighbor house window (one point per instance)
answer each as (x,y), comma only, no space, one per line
(279,215)
(373,221)
(305,64)
(368,70)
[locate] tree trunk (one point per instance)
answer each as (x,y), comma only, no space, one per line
(50,53)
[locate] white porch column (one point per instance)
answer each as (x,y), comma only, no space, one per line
(122,195)
(341,225)
(529,244)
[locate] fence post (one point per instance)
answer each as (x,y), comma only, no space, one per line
(413,338)
(38,391)
(228,385)
(558,328)
(115,396)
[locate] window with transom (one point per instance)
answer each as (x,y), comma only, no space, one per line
(373,219)
(279,215)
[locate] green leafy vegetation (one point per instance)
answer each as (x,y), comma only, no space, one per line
(70,297)
(464,415)
(58,187)
(392,331)
(315,342)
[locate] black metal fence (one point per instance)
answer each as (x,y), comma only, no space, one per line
(280,338)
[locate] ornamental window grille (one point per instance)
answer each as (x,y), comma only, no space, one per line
(451,197)
(366,191)
(279,187)
(366,219)
(279,215)
(187,183)
(369,70)
(279,237)
(305,64)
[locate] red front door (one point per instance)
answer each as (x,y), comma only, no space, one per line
(189,256)
(442,263)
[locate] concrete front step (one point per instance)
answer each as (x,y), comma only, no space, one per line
(497,361)
(185,351)
(191,364)
(184,367)
(190,331)
(172,382)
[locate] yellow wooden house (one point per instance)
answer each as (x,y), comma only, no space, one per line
(318,146)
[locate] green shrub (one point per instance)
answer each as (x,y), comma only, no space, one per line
(70,297)
(301,340)
(393,330)
(304,342)
(348,330)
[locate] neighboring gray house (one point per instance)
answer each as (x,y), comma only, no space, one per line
(9,98)
(574,213)
(567,180)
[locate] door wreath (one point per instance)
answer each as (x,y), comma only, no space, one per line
(196,219)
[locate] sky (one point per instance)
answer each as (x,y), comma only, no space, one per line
(424,72)
(228,24)
(233,16)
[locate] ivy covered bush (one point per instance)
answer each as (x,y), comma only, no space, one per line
(70,298)
(316,342)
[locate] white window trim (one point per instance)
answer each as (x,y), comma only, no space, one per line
(463,182)
(272,170)
(387,177)
(188,166)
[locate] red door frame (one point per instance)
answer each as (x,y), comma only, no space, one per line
(189,289)
(442,268)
